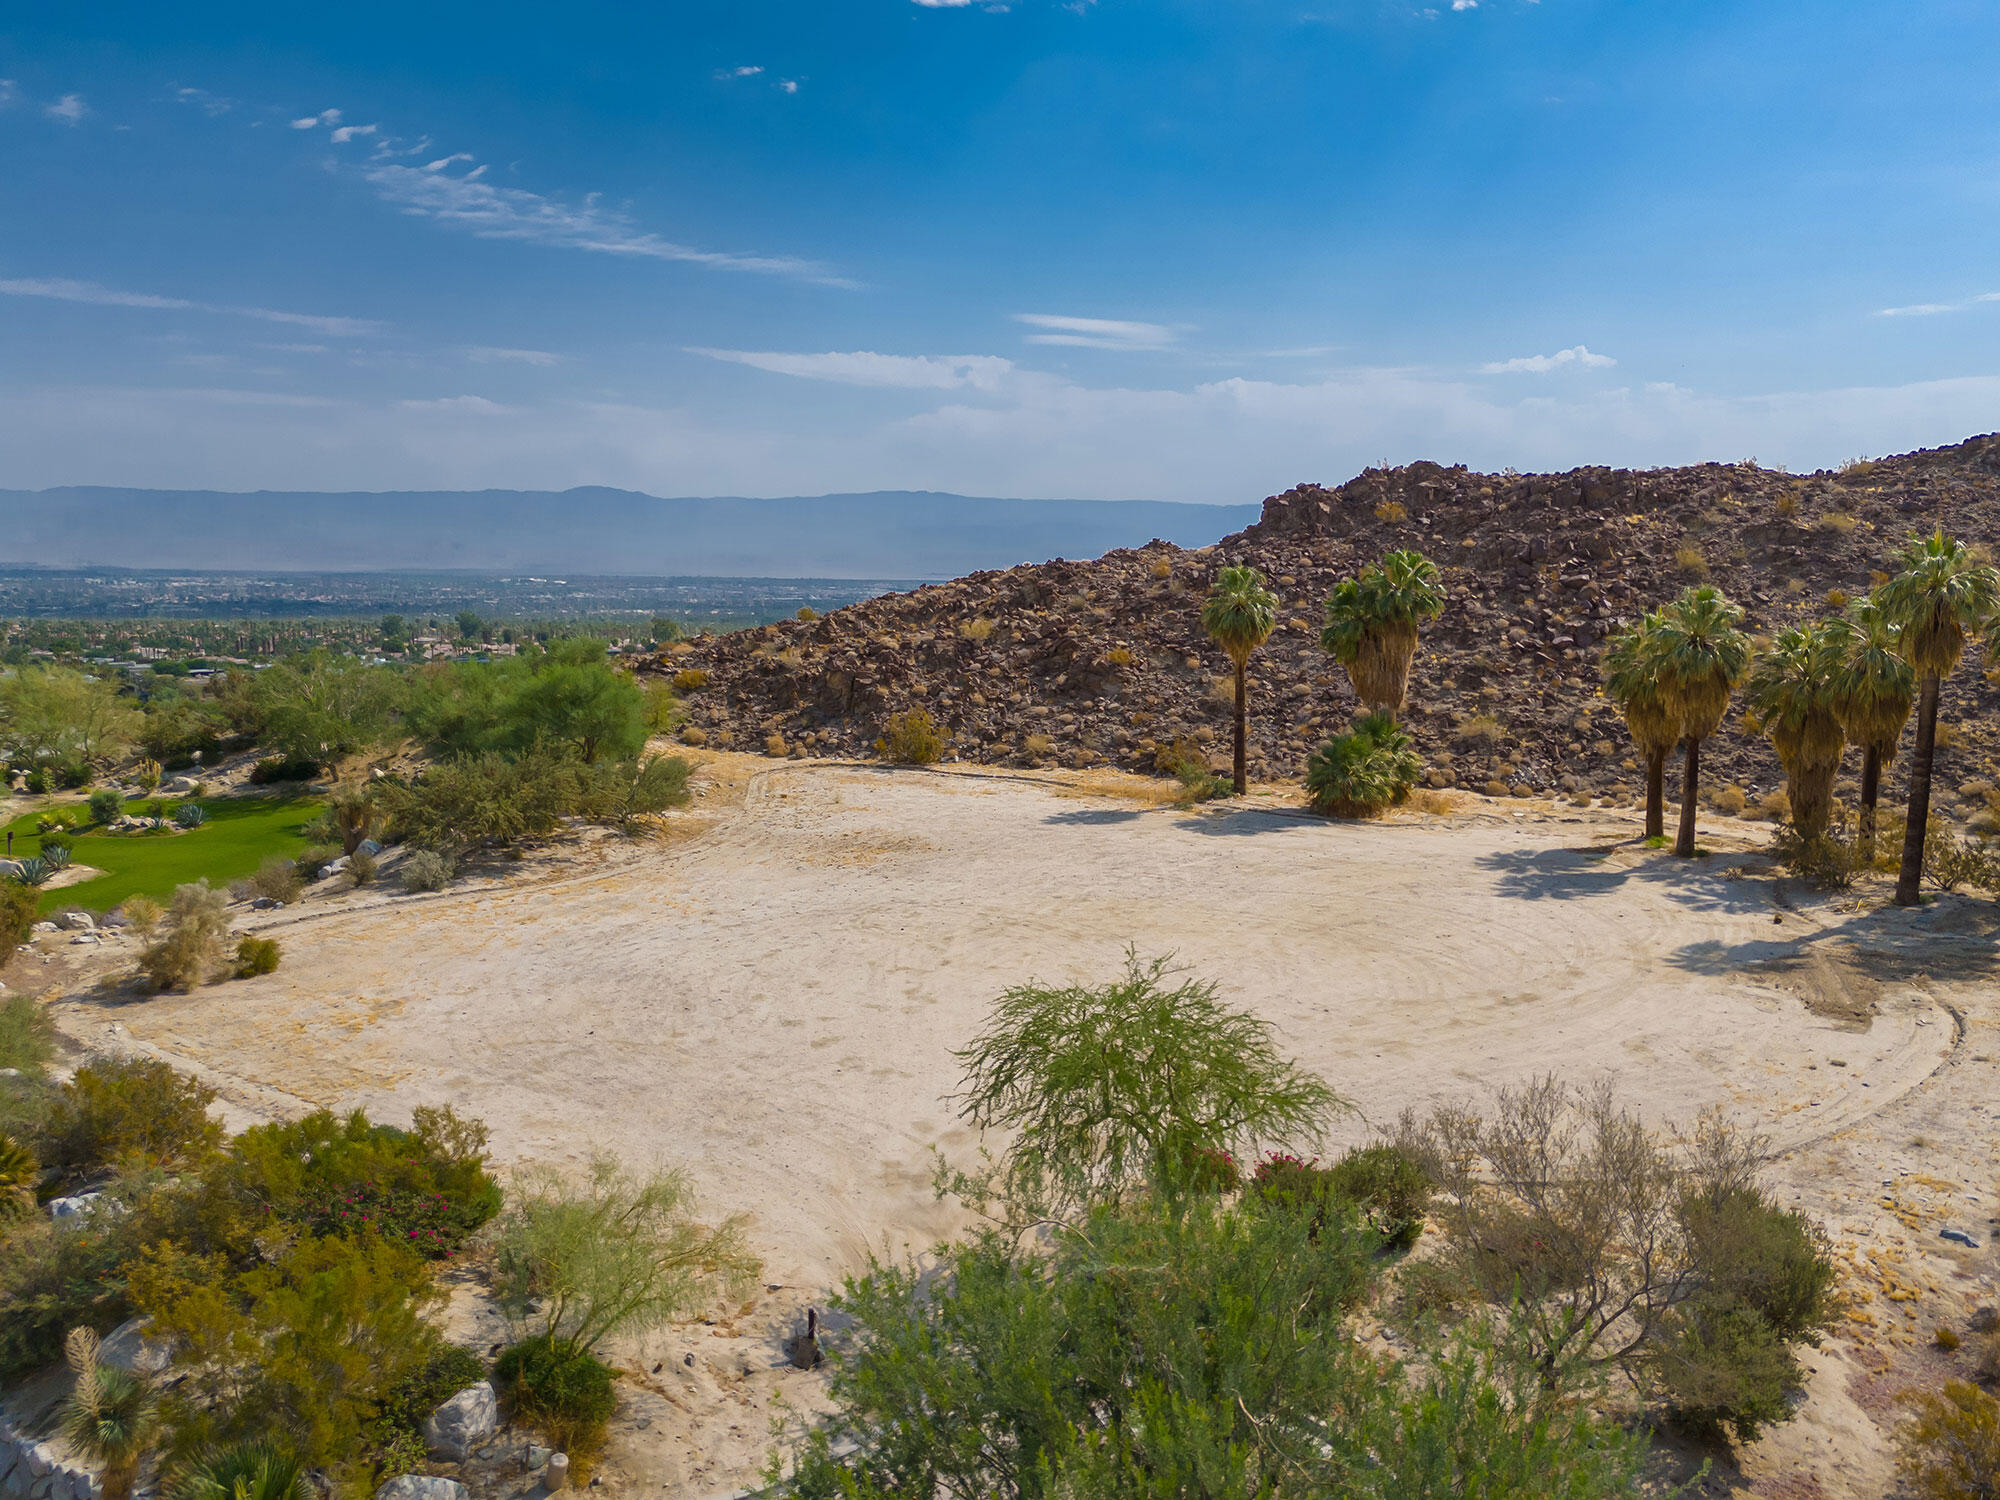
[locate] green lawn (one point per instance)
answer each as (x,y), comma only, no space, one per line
(240,834)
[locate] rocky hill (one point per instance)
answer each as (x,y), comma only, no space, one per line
(1103,662)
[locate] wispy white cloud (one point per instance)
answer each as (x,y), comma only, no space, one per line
(943,4)
(1933,309)
(324,117)
(477,406)
(209,104)
(484,355)
(505,213)
(788,85)
(912,372)
(1541,364)
(8,92)
(748,70)
(61,289)
(346,133)
(1095,333)
(70,109)
(446,161)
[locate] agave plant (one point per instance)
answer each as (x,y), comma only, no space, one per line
(190,815)
(34,872)
(112,1415)
(247,1471)
(55,855)
(19,1172)
(1363,772)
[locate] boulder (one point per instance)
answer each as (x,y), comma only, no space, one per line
(127,1347)
(73,1207)
(461,1424)
(422,1487)
(368,847)
(77,921)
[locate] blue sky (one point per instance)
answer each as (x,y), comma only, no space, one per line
(1170,249)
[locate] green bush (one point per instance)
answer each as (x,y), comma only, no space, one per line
(426,1187)
(911,738)
(255,955)
(312,861)
(1951,1444)
(1391,1188)
(256,1470)
(119,1109)
(404,1406)
(20,1175)
(547,1382)
(27,1035)
(190,947)
(276,769)
(17,915)
(106,807)
(1363,773)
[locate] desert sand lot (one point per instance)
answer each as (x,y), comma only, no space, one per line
(775,1000)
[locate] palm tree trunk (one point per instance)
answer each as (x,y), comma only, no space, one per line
(1910,877)
(1656,792)
(1242,781)
(1871,792)
(1690,785)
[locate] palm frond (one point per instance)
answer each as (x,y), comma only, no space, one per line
(1240,612)
(1941,594)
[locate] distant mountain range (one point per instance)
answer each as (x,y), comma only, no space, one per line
(885,534)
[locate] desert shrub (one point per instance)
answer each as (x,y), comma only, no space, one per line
(1107,1088)
(38,782)
(277,879)
(306,1344)
(911,738)
(1828,861)
(54,1279)
(1038,744)
(20,1175)
(361,868)
(1478,729)
(1950,1447)
(147,774)
(775,746)
(490,799)
(17,915)
(561,1389)
(106,807)
(1391,510)
(255,955)
(1364,772)
(1619,1249)
(1837,523)
(1689,561)
(275,769)
(355,815)
(579,1258)
(1787,503)
(120,1109)
(1175,1346)
(1951,861)
(662,710)
(426,1188)
(694,735)
(73,775)
(426,870)
(310,863)
(402,1408)
(27,1035)
(189,948)
(1184,761)
(143,913)
(1387,1187)
(1120,657)
(975,630)
(1730,801)
(690,679)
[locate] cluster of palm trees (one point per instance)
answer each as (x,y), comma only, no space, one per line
(1371,629)
(1815,689)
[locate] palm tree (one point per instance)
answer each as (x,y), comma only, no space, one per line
(1700,656)
(1872,696)
(248,1471)
(1239,616)
(1940,594)
(1793,690)
(1371,625)
(111,1416)
(1632,680)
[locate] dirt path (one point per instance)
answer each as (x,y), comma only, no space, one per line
(775,1003)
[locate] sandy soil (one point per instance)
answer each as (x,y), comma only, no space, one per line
(774,1002)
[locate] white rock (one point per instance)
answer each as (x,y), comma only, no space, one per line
(422,1487)
(127,1347)
(462,1423)
(77,921)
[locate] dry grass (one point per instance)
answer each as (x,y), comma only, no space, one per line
(690,679)
(1119,657)
(1437,804)
(1163,567)
(1836,598)
(1787,503)
(1038,744)
(775,746)
(1690,562)
(1478,729)
(1392,510)
(975,630)
(1837,523)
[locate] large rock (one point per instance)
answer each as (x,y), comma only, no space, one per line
(462,1423)
(422,1487)
(127,1347)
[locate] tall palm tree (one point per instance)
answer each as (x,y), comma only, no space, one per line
(1941,594)
(1793,689)
(1701,656)
(1632,680)
(248,1471)
(1239,616)
(1872,696)
(111,1416)
(1371,625)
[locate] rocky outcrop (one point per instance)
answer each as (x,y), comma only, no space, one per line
(461,1424)
(1105,663)
(422,1487)
(33,1470)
